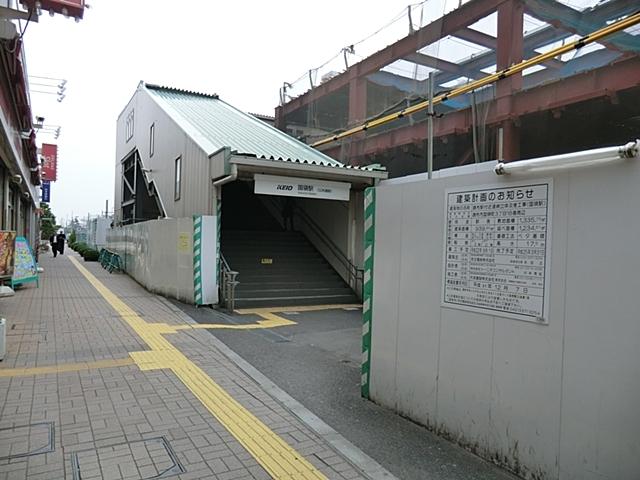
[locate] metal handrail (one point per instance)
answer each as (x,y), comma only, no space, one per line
(227,285)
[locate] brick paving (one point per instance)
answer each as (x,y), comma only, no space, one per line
(119,422)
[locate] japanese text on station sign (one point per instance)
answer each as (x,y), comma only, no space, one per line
(496,248)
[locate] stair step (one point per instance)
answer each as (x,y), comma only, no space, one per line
(280,268)
(292,301)
(279,258)
(298,292)
(298,274)
(292,285)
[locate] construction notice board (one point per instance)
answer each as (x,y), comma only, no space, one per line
(497,249)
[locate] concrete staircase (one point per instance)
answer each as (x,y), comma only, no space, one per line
(279,268)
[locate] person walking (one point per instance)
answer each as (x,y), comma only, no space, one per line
(61,238)
(287,213)
(53,241)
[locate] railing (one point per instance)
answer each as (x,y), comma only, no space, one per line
(110,260)
(355,275)
(227,284)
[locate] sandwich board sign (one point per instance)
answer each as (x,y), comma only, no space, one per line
(25,269)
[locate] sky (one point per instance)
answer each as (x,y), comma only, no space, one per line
(242,50)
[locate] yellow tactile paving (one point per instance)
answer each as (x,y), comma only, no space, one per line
(270,451)
(65,367)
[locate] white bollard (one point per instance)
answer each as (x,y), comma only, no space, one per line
(3,337)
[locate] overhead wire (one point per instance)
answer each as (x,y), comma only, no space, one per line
(398,17)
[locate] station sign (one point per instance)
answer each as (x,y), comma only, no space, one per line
(301,187)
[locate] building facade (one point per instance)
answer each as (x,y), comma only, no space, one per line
(19,166)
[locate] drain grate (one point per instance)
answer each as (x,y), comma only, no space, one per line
(143,459)
(27,440)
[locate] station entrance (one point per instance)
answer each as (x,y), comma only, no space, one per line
(286,253)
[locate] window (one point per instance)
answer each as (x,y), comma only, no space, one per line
(152,138)
(178,178)
(129,126)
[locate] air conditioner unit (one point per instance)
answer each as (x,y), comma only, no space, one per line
(8,30)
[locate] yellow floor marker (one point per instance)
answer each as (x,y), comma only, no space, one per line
(270,321)
(279,459)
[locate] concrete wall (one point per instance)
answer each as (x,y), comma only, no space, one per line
(553,399)
(159,254)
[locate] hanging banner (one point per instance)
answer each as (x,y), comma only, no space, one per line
(49,162)
(7,252)
(46,191)
(301,187)
(25,269)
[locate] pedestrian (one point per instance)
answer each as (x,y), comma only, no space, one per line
(61,238)
(53,241)
(287,213)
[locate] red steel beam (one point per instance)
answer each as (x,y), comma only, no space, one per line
(479,38)
(440,64)
(585,86)
(462,17)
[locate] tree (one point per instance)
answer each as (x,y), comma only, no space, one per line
(47,222)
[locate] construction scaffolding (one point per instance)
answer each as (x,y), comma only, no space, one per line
(577,91)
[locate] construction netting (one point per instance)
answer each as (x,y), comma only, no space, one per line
(583,94)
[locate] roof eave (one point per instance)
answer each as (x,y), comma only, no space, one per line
(291,169)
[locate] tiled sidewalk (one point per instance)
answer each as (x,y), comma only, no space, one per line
(74,404)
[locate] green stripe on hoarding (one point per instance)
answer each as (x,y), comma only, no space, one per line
(218,233)
(197,259)
(367,290)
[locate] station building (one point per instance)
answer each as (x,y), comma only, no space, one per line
(181,154)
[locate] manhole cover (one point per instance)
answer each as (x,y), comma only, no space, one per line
(27,440)
(143,459)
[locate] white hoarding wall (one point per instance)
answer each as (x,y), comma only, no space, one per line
(159,254)
(505,315)
(97,232)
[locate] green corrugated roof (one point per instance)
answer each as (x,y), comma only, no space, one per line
(215,124)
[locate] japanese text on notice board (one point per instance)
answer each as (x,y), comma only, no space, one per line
(496,246)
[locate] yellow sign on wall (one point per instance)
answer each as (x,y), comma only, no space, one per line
(183,241)
(266,261)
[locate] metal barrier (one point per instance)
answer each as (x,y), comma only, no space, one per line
(109,260)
